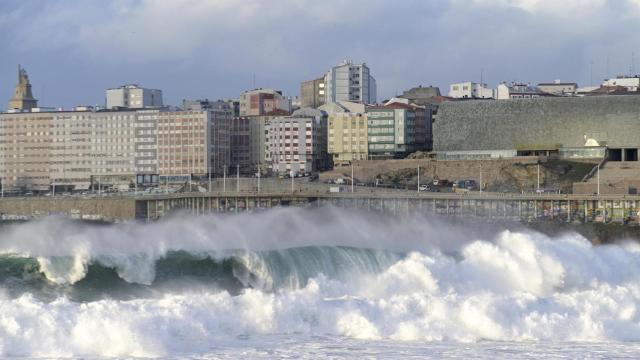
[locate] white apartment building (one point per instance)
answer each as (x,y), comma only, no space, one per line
(350,82)
(133,96)
(298,143)
(470,90)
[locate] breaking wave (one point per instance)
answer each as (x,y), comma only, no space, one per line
(185,286)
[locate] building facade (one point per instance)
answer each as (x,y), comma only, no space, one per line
(78,150)
(347,132)
(470,90)
(573,127)
(396,130)
(558,88)
(69,150)
(348,137)
(631,83)
(312,93)
(193,143)
(350,82)
(260,102)
(518,91)
(298,143)
(133,96)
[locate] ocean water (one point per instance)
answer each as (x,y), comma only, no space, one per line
(325,283)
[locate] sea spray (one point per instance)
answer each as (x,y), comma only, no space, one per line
(389,281)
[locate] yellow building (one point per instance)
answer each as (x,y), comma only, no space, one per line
(347,137)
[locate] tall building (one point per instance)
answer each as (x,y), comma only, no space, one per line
(22,97)
(298,143)
(470,90)
(260,102)
(350,82)
(193,142)
(347,133)
(74,150)
(133,96)
(249,144)
(312,93)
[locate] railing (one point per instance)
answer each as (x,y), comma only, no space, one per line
(595,168)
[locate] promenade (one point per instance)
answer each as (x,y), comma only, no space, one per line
(243,195)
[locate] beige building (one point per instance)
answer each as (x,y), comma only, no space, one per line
(347,132)
(77,150)
(67,149)
(193,142)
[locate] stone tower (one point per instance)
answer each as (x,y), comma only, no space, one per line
(22,97)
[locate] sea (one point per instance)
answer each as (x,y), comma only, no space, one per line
(293,283)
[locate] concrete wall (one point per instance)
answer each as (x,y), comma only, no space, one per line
(524,123)
(92,209)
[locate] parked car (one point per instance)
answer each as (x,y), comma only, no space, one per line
(424,188)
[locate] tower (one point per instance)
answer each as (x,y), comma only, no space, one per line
(22,97)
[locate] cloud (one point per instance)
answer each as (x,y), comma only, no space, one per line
(213,48)
(564,8)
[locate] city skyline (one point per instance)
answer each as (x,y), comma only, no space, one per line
(69,45)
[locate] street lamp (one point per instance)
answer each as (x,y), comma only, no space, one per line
(352,179)
(258,178)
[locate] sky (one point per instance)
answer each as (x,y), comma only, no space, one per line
(75,49)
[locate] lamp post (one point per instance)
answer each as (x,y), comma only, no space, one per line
(237,177)
(598,179)
(480,178)
(224,178)
(418,178)
(352,179)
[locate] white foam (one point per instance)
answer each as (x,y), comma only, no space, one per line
(517,287)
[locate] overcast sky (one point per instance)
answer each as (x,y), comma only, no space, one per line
(74,49)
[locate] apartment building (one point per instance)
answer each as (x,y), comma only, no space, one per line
(71,150)
(264,102)
(312,93)
(350,82)
(470,90)
(193,143)
(132,96)
(393,131)
(347,132)
(75,150)
(298,143)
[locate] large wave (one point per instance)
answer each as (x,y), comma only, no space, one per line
(184,285)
